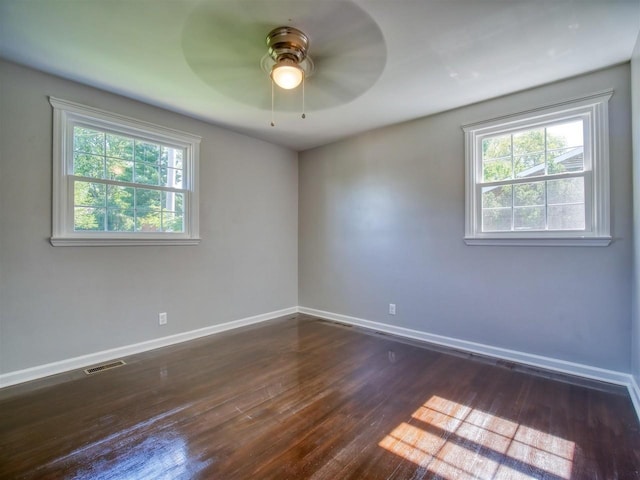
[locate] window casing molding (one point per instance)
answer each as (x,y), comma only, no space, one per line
(68,114)
(593,110)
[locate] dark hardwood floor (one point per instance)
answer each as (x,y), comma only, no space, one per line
(299,398)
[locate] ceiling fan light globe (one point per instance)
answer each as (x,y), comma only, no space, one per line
(287,76)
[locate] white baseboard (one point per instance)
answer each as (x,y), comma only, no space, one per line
(40,371)
(547,363)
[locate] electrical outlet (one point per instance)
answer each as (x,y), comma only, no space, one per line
(162,318)
(392,309)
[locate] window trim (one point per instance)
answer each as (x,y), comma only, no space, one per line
(593,108)
(65,115)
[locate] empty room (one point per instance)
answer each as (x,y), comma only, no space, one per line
(306,239)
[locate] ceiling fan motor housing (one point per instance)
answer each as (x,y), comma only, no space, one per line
(287,43)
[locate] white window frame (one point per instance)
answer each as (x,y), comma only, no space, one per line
(593,110)
(66,115)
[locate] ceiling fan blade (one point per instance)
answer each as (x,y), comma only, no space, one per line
(224,41)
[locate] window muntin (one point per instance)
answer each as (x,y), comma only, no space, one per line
(119,181)
(540,177)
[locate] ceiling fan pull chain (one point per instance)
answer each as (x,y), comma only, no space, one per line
(303,114)
(272,122)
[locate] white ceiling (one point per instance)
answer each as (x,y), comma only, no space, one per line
(397,59)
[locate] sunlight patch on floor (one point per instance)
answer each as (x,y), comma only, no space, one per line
(456,441)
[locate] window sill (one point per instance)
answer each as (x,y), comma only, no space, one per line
(119,242)
(541,242)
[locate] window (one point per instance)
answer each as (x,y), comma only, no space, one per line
(540,177)
(119,181)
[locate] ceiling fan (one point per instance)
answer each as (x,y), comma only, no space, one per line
(287,60)
(238,46)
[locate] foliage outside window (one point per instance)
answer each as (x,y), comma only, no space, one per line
(540,177)
(119,181)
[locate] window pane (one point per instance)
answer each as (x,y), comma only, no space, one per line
(173,202)
(87,218)
(171,157)
(496,220)
(528,142)
(496,208)
(566,217)
(566,160)
(88,165)
(528,218)
(496,196)
(147,152)
(148,220)
(529,165)
(528,194)
(568,134)
(498,169)
(120,197)
(119,220)
(146,174)
(566,190)
(87,194)
(171,177)
(565,147)
(119,147)
(147,199)
(86,140)
(496,147)
(178,158)
(121,170)
(172,222)
(566,209)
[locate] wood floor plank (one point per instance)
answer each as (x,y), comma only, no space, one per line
(303,398)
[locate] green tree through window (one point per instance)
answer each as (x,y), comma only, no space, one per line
(537,205)
(136,191)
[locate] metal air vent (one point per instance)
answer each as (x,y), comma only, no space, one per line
(106,366)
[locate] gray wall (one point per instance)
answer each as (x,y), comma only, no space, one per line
(61,302)
(635,110)
(382,221)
